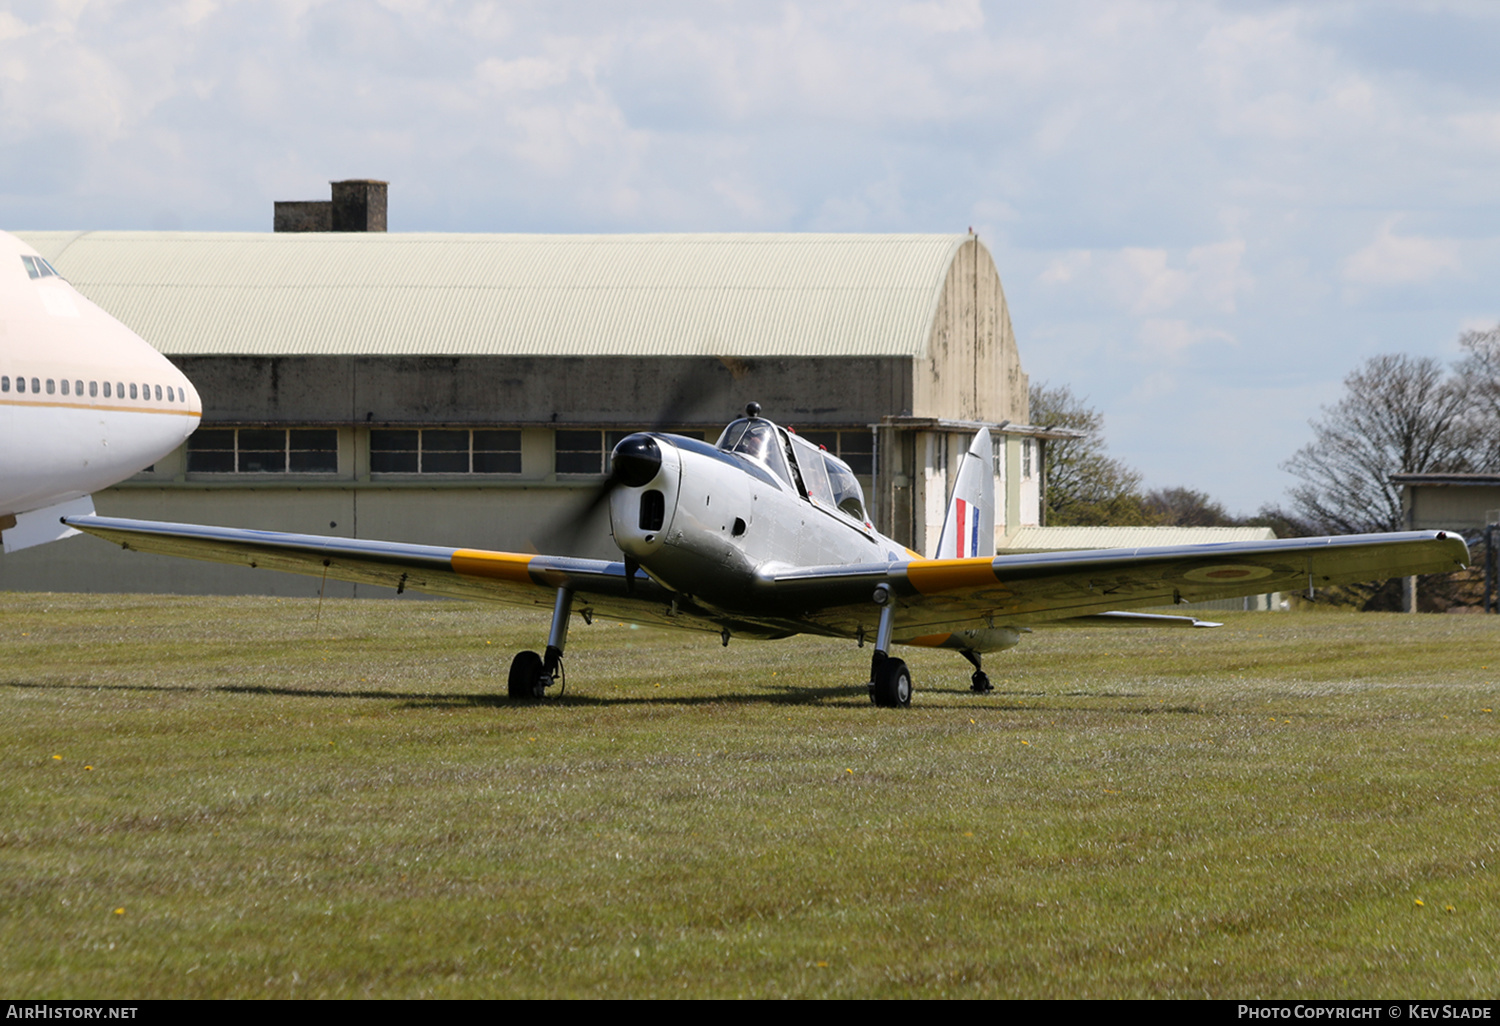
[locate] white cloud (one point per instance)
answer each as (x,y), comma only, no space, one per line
(1062,270)
(1165,339)
(944,15)
(1147,282)
(524,74)
(1401,259)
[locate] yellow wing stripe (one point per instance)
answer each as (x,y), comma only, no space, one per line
(932,576)
(929,640)
(504,566)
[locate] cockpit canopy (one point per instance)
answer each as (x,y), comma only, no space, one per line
(815,473)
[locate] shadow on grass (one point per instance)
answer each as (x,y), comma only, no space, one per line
(777,694)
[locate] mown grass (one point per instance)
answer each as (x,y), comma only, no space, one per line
(229,797)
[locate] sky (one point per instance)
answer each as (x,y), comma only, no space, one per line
(1204,215)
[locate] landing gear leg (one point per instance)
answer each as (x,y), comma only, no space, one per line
(980,682)
(890,680)
(530,674)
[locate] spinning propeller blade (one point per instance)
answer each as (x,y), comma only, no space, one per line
(636,459)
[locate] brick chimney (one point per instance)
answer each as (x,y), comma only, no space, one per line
(358,205)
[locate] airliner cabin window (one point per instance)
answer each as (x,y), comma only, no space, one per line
(4,382)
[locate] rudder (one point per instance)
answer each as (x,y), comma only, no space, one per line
(969,527)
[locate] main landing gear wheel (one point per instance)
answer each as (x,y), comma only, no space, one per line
(892,684)
(526,676)
(980,683)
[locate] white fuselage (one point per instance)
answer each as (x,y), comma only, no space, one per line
(84,401)
(727,518)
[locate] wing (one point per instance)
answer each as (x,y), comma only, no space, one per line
(1051,587)
(517,578)
(932,595)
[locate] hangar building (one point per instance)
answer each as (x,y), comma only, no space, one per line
(467,389)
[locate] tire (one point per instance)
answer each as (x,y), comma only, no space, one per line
(525,675)
(892,685)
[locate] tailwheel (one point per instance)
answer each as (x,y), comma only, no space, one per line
(891,686)
(979,683)
(526,672)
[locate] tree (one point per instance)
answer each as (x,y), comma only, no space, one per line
(1480,371)
(1399,415)
(1084,486)
(1184,507)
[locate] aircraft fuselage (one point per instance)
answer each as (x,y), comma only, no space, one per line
(84,401)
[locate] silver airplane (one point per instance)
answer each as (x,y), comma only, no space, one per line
(764,535)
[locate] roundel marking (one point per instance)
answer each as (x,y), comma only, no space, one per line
(1227,572)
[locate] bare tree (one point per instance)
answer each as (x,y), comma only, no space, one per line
(1184,507)
(1480,370)
(1084,486)
(1399,414)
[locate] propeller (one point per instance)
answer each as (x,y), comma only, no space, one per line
(637,457)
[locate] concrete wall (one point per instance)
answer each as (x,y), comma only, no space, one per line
(1437,507)
(973,368)
(519,390)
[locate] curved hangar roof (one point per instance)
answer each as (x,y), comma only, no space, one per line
(211,293)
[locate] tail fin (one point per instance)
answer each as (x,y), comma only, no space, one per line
(969,529)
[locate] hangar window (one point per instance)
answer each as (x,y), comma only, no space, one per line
(264,451)
(587,452)
(584,452)
(445,451)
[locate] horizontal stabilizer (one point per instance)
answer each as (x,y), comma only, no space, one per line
(1117,619)
(41,526)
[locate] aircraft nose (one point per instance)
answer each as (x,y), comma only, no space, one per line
(637,460)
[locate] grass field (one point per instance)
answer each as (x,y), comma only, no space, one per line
(229,797)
